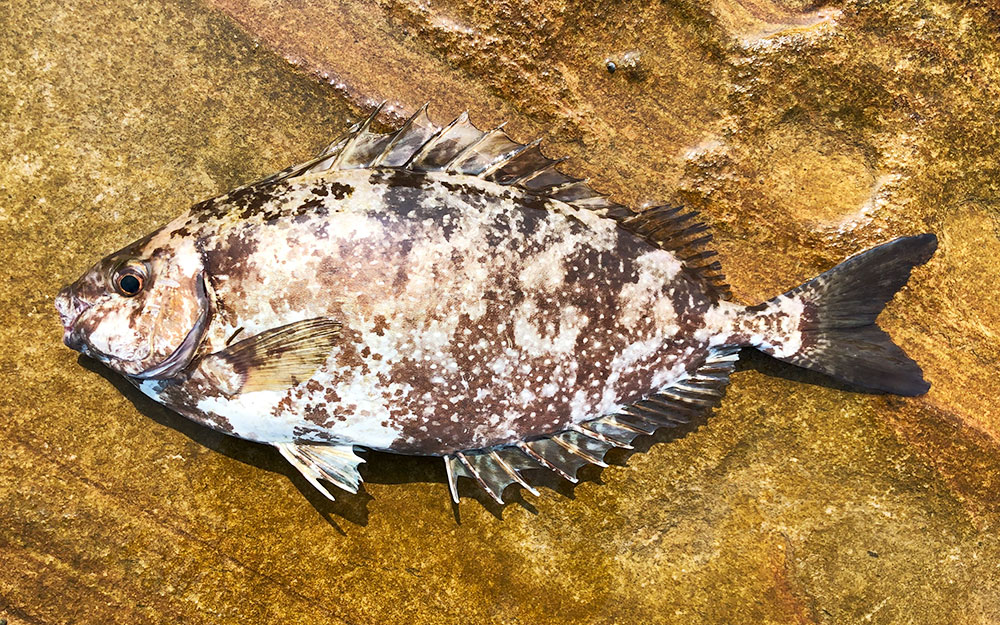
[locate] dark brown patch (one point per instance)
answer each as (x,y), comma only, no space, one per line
(316,413)
(304,434)
(230,256)
(315,206)
(340,191)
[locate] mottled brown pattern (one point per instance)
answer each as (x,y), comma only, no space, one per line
(505,394)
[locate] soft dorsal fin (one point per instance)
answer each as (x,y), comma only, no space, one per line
(678,230)
(564,453)
(460,147)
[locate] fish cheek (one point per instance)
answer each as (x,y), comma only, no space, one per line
(109,329)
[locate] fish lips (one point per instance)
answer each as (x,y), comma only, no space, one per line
(70,307)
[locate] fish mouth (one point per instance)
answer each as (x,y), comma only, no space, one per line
(70,307)
(181,357)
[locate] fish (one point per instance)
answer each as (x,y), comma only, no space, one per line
(447,291)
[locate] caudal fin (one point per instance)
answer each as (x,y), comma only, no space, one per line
(839,333)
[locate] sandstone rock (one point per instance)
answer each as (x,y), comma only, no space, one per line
(804,133)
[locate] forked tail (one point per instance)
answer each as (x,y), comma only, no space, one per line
(836,312)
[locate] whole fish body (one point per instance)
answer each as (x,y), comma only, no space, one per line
(447,291)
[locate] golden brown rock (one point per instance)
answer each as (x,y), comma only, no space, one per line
(803,134)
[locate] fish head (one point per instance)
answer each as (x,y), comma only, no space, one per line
(143,310)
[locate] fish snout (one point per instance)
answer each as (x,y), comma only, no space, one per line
(70,307)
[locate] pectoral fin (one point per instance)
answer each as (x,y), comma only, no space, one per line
(275,359)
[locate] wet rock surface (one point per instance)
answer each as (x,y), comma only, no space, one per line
(804,133)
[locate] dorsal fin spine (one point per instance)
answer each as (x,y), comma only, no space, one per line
(428,145)
(452,478)
(361,128)
(396,136)
(531,175)
(514,475)
(573,449)
(542,460)
(651,414)
(582,429)
(566,185)
(479,479)
(628,426)
(492,169)
(454,160)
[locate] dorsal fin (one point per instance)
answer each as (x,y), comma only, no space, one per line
(357,149)
(461,148)
(678,230)
(564,453)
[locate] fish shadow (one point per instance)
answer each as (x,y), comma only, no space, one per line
(755,360)
(388,468)
(379,468)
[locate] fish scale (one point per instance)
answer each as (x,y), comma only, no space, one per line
(448,291)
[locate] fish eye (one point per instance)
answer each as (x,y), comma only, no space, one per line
(129,281)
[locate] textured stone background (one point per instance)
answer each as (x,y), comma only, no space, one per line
(805,133)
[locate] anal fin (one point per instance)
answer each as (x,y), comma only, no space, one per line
(337,464)
(565,453)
